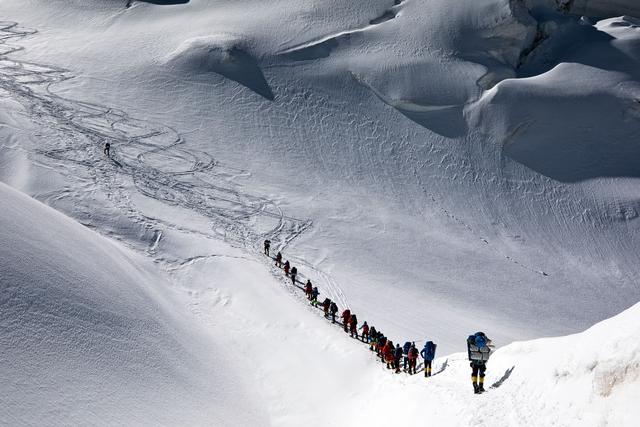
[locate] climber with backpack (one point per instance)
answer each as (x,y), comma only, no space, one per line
(382,341)
(478,348)
(413,358)
(346,316)
(286,268)
(325,306)
(333,308)
(405,353)
(397,356)
(267,246)
(428,353)
(294,273)
(365,332)
(388,353)
(314,296)
(373,334)
(353,326)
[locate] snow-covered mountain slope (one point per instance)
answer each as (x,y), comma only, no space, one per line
(91,334)
(429,179)
(439,167)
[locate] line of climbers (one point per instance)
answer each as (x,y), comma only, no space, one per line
(478,344)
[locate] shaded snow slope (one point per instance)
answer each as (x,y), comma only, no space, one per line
(90,334)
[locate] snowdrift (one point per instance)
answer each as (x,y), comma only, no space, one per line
(89,333)
(224,54)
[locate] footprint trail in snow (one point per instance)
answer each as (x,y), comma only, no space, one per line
(148,157)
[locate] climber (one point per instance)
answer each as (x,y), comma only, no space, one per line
(428,353)
(308,289)
(413,358)
(279,260)
(346,316)
(294,273)
(286,268)
(314,296)
(382,341)
(374,338)
(388,353)
(325,306)
(353,326)
(365,332)
(478,350)
(405,353)
(267,246)
(107,149)
(397,355)
(333,308)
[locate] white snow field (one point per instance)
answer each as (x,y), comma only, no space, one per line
(440,167)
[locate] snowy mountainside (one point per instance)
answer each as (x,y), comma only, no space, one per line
(91,333)
(438,167)
(105,342)
(397,173)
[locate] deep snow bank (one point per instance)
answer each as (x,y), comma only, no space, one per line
(587,379)
(88,334)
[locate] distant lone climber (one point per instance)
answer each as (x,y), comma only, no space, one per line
(479,352)
(428,353)
(267,246)
(107,148)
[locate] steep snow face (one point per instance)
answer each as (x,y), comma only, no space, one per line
(90,333)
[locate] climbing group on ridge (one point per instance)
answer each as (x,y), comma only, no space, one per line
(478,344)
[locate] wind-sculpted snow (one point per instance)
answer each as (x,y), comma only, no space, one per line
(224,54)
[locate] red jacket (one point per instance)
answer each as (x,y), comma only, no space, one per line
(365,329)
(346,315)
(387,351)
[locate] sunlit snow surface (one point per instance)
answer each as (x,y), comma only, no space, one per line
(440,167)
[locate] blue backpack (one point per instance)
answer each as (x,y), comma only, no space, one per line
(477,347)
(406,347)
(429,350)
(480,340)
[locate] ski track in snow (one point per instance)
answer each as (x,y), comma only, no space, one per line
(151,156)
